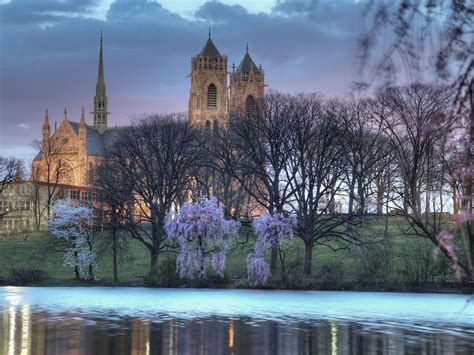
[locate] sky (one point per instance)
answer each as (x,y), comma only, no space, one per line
(49,54)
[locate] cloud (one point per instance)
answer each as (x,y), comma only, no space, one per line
(50,52)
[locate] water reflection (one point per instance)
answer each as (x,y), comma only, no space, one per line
(26,330)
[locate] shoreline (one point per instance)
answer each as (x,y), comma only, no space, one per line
(433,288)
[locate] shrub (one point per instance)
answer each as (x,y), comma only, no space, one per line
(374,263)
(330,276)
(166,276)
(26,275)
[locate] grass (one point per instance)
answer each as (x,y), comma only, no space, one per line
(394,259)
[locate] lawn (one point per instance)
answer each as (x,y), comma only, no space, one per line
(390,258)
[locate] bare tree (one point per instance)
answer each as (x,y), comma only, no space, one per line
(414,120)
(114,198)
(214,175)
(52,169)
(413,24)
(156,157)
(10,170)
(317,158)
(367,153)
(261,141)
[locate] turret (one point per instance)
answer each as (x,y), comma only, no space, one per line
(208,99)
(247,87)
(46,131)
(82,127)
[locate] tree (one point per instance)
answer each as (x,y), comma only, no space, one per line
(318,160)
(156,158)
(261,140)
(72,223)
(417,120)
(214,174)
(115,199)
(447,23)
(204,237)
(52,170)
(366,152)
(10,170)
(271,231)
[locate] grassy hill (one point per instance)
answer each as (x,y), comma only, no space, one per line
(389,261)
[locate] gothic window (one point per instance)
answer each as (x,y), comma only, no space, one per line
(216,128)
(208,127)
(212,98)
(250,106)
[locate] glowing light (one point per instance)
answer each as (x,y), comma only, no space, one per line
(11,330)
(333,338)
(25,330)
(231,334)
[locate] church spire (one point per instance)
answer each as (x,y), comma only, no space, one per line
(100,99)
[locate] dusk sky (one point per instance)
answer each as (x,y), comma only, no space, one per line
(49,54)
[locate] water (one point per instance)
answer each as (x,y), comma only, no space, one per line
(188,321)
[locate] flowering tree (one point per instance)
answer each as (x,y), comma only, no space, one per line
(204,237)
(271,231)
(72,223)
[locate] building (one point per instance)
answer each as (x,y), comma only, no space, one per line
(69,154)
(211,100)
(23,204)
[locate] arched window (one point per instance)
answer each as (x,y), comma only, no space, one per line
(212,98)
(208,127)
(250,106)
(216,128)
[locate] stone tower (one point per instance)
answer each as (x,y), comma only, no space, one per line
(247,87)
(100,99)
(208,100)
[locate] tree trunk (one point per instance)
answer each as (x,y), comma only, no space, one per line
(154,260)
(308,258)
(114,255)
(274,259)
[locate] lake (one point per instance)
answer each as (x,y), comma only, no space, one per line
(62,320)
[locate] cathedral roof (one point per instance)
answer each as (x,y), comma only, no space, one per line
(210,50)
(247,65)
(97,144)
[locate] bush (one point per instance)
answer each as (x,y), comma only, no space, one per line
(166,276)
(26,276)
(374,263)
(330,276)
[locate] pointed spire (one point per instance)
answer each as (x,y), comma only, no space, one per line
(46,118)
(233,66)
(100,99)
(100,89)
(65,113)
(83,118)
(210,49)
(247,48)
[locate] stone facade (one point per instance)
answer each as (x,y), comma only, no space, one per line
(211,100)
(23,204)
(69,154)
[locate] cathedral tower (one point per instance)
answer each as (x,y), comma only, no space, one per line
(100,99)
(208,100)
(247,87)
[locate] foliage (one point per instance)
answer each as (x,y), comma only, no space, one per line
(270,230)
(26,275)
(203,235)
(70,223)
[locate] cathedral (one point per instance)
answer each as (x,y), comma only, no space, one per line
(215,96)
